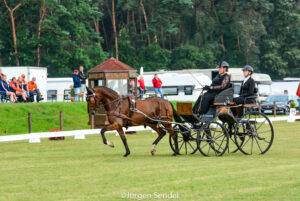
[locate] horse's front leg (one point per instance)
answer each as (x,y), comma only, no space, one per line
(102,132)
(124,140)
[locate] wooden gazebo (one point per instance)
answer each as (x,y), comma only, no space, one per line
(113,74)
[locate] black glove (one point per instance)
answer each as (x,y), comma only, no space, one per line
(206,87)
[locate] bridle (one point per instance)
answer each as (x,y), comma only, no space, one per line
(118,100)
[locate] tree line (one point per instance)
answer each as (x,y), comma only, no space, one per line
(155,34)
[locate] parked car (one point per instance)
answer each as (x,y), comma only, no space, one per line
(282,103)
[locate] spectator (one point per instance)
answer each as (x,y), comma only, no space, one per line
(131,86)
(33,90)
(16,88)
(157,84)
(23,83)
(82,78)
(141,86)
(76,85)
(5,90)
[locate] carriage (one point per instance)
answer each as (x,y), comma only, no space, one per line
(226,128)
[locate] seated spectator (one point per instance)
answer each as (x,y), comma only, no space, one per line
(5,89)
(16,88)
(23,83)
(33,90)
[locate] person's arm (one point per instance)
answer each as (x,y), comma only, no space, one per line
(223,85)
(3,86)
(80,75)
(35,86)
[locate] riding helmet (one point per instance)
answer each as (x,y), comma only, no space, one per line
(224,64)
(248,68)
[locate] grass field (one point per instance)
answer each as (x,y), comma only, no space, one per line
(76,170)
(45,117)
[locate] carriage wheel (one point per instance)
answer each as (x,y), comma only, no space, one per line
(212,139)
(255,133)
(184,139)
(231,130)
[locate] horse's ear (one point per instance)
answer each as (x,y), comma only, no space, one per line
(90,91)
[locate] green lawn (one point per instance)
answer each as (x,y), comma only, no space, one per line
(45,117)
(88,170)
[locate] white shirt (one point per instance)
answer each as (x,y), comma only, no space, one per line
(246,79)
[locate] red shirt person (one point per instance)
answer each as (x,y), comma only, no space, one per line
(157,85)
(141,83)
(298,90)
(141,86)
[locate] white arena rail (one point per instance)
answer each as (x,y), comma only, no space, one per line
(80,134)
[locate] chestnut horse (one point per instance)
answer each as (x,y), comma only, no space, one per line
(120,114)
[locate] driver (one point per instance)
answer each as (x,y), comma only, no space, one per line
(219,83)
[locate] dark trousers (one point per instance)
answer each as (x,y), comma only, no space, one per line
(204,102)
(141,92)
(243,100)
(36,93)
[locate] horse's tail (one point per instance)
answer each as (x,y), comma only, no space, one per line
(176,116)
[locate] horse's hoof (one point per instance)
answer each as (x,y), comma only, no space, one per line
(111,145)
(153,150)
(125,155)
(174,154)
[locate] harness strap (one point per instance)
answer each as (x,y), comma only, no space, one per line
(117,114)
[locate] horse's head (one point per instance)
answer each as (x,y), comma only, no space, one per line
(100,95)
(91,99)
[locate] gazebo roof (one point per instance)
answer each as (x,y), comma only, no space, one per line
(111,65)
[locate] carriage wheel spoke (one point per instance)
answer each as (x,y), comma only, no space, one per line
(262,123)
(214,148)
(251,145)
(181,146)
(208,150)
(258,145)
(220,147)
(204,145)
(191,146)
(221,142)
(264,131)
(266,141)
(245,143)
(222,134)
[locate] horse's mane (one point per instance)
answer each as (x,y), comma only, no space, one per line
(108,91)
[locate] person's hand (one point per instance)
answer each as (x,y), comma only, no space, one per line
(206,87)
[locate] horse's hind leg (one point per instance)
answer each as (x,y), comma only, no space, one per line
(124,140)
(161,133)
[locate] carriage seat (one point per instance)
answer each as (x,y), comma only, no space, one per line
(225,97)
(251,105)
